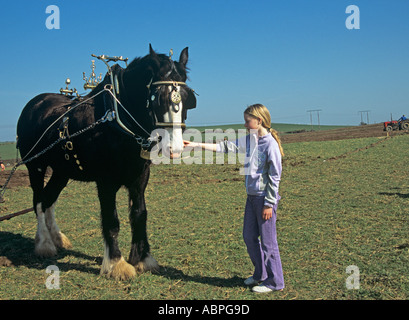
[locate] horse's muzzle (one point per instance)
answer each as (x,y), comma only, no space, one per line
(174,155)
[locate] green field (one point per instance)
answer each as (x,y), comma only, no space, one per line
(8,150)
(344,203)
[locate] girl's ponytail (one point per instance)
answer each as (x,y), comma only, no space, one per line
(275,135)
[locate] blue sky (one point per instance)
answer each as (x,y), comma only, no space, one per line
(292,56)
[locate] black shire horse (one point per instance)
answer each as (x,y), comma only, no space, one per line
(90,140)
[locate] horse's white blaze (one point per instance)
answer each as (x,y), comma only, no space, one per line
(174,144)
(44,245)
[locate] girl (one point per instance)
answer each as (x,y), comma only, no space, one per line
(263,173)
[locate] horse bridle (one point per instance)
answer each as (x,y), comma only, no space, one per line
(175,98)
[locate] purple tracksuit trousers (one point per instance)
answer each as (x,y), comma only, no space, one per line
(263,253)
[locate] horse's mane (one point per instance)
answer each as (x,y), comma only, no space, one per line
(144,61)
(135,62)
(141,62)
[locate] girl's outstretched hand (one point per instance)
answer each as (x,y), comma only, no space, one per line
(187,143)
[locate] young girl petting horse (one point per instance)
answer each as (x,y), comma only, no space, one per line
(262,176)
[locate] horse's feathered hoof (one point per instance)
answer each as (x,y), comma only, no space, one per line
(148,264)
(61,241)
(44,247)
(121,270)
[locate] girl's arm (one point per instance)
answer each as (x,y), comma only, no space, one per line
(224,146)
(274,176)
(206,146)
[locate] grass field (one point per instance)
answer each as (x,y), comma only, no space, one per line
(343,203)
(8,150)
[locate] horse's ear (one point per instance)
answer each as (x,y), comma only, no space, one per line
(154,66)
(151,51)
(184,56)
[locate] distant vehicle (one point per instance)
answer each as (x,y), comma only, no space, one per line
(396,125)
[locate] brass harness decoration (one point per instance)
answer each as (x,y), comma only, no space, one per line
(67,91)
(68,147)
(92,81)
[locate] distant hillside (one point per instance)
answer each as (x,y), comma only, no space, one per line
(283,128)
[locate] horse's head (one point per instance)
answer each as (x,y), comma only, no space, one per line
(169,100)
(157,95)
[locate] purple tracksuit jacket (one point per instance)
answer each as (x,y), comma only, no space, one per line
(262,165)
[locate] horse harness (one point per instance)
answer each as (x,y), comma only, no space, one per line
(68,146)
(112,113)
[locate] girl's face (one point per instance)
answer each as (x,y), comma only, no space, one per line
(251,122)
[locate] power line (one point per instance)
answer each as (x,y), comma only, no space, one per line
(318,116)
(367,116)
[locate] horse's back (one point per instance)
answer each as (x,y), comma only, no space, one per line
(38,114)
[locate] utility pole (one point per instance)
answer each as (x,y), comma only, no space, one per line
(318,116)
(367,116)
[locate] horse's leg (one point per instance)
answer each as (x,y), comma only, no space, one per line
(113,264)
(51,192)
(44,245)
(140,251)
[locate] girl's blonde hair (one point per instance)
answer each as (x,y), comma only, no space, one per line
(259,111)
